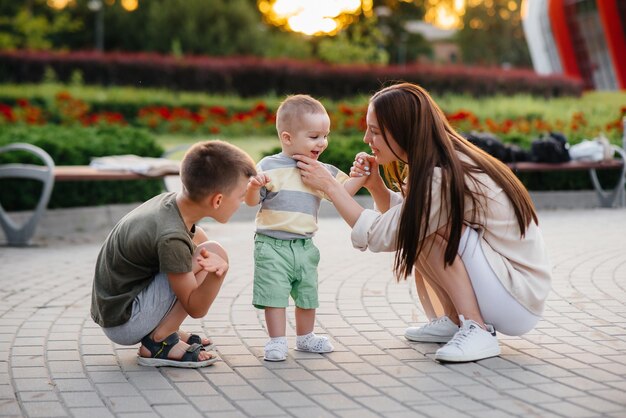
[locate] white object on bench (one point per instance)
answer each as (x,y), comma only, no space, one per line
(147,166)
(606,198)
(127,167)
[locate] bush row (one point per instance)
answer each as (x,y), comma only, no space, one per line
(251,76)
(341,154)
(76,146)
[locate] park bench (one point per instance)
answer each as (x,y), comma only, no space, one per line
(606,198)
(48,174)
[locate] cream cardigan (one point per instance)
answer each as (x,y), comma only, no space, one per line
(521,263)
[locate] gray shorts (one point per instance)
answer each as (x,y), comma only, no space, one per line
(149,308)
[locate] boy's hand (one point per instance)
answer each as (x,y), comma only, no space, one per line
(212,263)
(258,181)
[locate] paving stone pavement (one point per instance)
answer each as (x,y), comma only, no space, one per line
(55,362)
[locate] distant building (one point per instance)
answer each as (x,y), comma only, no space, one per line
(445,49)
(579,38)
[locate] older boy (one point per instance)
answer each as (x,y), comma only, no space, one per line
(285,261)
(157,267)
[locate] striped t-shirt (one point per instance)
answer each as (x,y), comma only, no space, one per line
(289,208)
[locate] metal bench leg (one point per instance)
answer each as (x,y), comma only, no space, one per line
(20,235)
(608,199)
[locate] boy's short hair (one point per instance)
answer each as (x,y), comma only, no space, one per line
(293,107)
(214,167)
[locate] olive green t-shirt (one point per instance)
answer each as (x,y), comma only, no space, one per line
(150,239)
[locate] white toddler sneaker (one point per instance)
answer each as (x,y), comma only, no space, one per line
(439,330)
(313,343)
(276,349)
(470,343)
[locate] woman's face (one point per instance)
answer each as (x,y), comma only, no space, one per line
(374,138)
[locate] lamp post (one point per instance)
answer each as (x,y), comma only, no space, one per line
(97,7)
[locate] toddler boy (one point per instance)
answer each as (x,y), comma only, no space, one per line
(285,258)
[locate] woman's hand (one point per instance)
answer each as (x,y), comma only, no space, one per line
(366,165)
(314,174)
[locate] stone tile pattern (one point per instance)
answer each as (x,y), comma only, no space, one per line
(55,362)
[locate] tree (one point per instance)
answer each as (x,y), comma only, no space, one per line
(492,34)
(33,25)
(216,27)
(361,42)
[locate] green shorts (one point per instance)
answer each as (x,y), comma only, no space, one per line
(283,268)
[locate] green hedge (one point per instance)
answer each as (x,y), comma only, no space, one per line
(341,152)
(251,76)
(76,146)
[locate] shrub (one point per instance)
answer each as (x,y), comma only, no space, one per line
(76,146)
(251,76)
(341,152)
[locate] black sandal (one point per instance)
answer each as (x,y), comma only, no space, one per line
(160,350)
(196,339)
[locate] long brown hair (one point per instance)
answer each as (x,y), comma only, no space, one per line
(407,113)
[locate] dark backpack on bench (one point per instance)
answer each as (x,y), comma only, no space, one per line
(551,148)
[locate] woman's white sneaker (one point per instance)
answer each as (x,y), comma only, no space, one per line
(439,330)
(470,343)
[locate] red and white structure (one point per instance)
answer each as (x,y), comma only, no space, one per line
(579,38)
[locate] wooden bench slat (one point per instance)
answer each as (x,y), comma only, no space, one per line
(613,164)
(87,173)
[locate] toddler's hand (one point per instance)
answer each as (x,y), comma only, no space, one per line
(259,181)
(361,166)
(212,263)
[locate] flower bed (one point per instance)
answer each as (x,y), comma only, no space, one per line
(258,118)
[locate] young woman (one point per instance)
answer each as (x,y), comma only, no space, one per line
(460,220)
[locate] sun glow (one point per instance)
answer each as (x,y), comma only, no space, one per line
(322,17)
(58,4)
(445,14)
(128,5)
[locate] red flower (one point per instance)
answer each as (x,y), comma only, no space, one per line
(241,116)
(260,107)
(197,118)
(346,110)
(164,112)
(459,115)
(7,112)
(218,110)
(63,95)
(23,102)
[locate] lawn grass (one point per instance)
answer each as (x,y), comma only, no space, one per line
(256,146)
(602,106)
(598,106)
